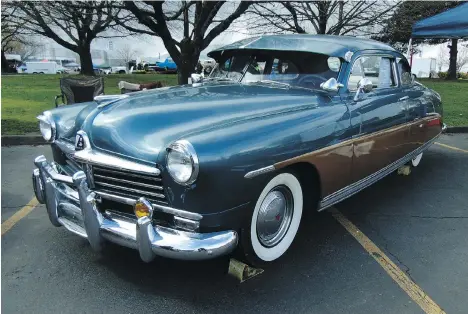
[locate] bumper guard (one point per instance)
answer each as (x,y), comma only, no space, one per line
(71,204)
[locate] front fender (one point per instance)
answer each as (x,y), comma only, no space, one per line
(227,155)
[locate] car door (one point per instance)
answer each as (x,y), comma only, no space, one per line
(381,114)
(417,109)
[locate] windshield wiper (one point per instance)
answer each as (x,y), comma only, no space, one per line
(218,79)
(272,82)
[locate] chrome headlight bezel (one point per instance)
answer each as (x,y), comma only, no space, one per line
(186,148)
(46,119)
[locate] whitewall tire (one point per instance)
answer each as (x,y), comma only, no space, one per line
(275,219)
(416,160)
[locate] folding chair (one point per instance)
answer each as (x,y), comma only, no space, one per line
(82,89)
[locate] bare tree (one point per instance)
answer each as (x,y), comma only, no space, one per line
(185,27)
(11,32)
(462,58)
(71,24)
(333,17)
(127,53)
(442,57)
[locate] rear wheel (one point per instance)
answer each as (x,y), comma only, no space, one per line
(275,220)
(416,160)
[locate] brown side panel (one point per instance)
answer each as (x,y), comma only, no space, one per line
(333,164)
(423,130)
(375,151)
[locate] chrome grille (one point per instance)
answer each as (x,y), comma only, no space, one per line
(128,184)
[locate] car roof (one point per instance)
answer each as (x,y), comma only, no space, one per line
(335,46)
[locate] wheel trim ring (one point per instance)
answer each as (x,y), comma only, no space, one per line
(276,237)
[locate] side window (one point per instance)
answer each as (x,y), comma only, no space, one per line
(378,69)
(405,73)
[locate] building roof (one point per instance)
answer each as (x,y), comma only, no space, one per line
(335,46)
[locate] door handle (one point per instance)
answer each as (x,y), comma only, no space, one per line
(403,98)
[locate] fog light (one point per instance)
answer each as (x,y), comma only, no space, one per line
(143,208)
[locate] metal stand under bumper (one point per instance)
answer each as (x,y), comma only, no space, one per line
(71,204)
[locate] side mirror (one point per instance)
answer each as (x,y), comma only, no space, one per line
(331,85)
(364,86)
(196,78)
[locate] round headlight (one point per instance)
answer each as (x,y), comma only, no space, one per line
(182,162)
(47,126)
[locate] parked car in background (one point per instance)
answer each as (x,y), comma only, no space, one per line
(284,124)
(119,70)
(166,65)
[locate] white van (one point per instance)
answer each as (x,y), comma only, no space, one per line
(42,68)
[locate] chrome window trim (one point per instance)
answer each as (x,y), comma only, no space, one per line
(382,55)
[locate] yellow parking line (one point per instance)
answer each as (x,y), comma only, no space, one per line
(451,147)
(20,214)
(399,276)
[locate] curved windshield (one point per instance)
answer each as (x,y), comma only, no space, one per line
(289,69)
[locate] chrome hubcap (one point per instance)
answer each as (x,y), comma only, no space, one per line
(274,216)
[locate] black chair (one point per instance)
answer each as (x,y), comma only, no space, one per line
(76,90)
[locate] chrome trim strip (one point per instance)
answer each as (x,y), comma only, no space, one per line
(105,160)
(157,187)
(88,155)
(254,173)
(103,169)
(355,187)
(158,207)
(116,198)
(118,187)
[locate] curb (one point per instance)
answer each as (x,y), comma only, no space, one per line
(457,129)
(15,140)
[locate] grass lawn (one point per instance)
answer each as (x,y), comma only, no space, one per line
(26,96)
(454,98)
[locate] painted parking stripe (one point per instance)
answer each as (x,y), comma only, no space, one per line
(451,147)
(399,276)
(20,214)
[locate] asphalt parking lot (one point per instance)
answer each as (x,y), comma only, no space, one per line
(419,221)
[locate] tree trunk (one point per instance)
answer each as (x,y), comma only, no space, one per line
(4,62)
(86,61)
(452,71)
(189,54)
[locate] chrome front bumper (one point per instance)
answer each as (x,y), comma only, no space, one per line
(71,204)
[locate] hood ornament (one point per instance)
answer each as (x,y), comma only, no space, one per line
(104,100)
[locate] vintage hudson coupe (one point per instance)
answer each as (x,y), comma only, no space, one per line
(284,124)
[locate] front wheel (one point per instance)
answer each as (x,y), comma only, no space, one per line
(275,220)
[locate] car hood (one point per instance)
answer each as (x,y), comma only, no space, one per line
(145,123)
